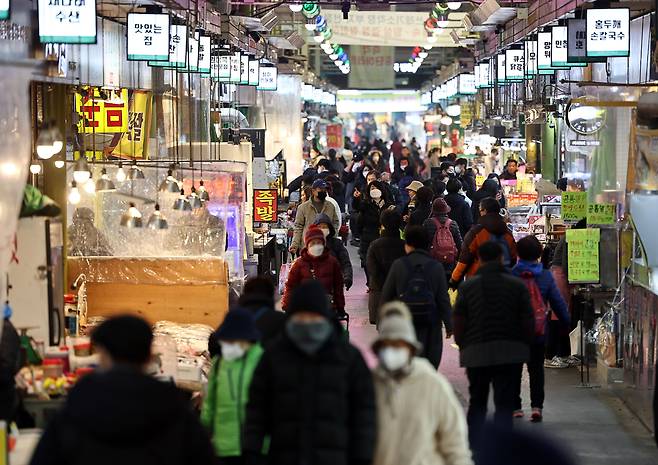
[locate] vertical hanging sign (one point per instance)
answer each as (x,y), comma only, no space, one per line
(560,48)
(608,32)
(268,78)
(576,40)
(224,65)
(148,37)
(467,84)
(236,64)
(254,72)
(204,55)
(66,22)
(544,47)
(484,75)
(500,68)
(193,54)
(4,9)
(514,64)
(177,49)
(244,69)
(530,47)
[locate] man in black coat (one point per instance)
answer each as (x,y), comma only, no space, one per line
(336,248)
(416,245)
(460,211)
(381,255)
(119,415)
(466,176)
(494,324)
(312,393)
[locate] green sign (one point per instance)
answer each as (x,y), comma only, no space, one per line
(601,213)
(574,205)
(583,255)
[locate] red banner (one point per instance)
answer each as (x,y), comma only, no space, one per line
(265,206)
(334,136)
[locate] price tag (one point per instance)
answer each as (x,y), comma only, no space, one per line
(601,213)
(574,205)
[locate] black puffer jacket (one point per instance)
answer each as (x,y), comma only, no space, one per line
(460,212)
(381,255)
(420,214)
(493,319)
(369,217)
(338,250)
(317,410)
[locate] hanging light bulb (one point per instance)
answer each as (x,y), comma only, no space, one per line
(90,186)
(170,184)
(132,218)
(135,172)
(58,140)
(45,143)
(59,163)
(454,6)
(104,183)
(318,38)
(431,38)
(74,195)
(203,192)
(423,55)
(36,167)
(195,201)
(310,25)
(181,203)
(81,172)
(121,174)
(295,7)
(157,220)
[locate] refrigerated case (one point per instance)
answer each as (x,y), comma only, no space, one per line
(36,277)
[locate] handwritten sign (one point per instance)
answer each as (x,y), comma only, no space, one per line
(574,205)
(601,213)
(583,255)
(265,206)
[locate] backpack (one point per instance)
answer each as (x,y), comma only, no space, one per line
(444,248)
(502,242)
(417,294)
(539,308)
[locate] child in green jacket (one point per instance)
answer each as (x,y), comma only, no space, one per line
(223,410)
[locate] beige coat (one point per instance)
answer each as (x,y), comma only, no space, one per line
(306,213)
(419,419)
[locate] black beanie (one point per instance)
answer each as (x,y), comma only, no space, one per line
(309,296)
(126,338)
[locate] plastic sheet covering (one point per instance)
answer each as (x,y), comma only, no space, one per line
(190,251)
(14,157)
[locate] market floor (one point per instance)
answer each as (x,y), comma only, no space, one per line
(591,422)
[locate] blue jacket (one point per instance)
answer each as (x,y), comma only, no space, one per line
(547,287)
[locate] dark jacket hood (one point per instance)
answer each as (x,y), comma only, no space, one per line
(124,406)
(324,218)
(494,223)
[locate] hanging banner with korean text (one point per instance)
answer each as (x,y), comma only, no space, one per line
(134,142)
(514,64)
(335,136)
(265,206)
(576,40)
(583,255)
(371,67)
(530,55)
(268,78)
(67,22)
(102,115)
(574,206)
(601,213)
(177,49)
(467,84)
(608,32)
(560,49)
(148,36)
(204,55)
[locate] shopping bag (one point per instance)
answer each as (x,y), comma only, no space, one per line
(283,275)
(574,338)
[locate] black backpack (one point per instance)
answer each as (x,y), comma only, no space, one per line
(418,294)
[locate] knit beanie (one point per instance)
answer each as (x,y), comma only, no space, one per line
(309,296)
(440,207)
(312,233)
(396,324)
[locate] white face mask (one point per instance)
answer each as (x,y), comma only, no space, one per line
(394,358)
(325,232)
(365,174)
(458,169)
(316,250)
(376,194)
(321,169)
(231,351)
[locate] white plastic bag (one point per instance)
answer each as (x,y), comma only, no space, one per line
(283,275)
(574,337)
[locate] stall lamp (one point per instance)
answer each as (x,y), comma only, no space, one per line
(132,218)
(104,183)
(170,184)
(295,7)
(121,174)
(427,47)
(59,163)
(333,56)
(454,6)
(74,195)
(194,199)
(338,63)
(49,142)
(90,186)
(135,172)
(81,173)
(36,167)
(203,192)
(310,25)
(431,38)
(423,55)
(157,221)
(181,203)
(318,38)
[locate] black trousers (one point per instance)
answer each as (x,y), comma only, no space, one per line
(536,373)
(558,342)
(431,337)
(505,380)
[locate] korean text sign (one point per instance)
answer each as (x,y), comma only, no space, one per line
(67,21)
(583,255)
(608,32)
(177,49)
(601,213)
(102,116)
(574,205)
(148,36)
(265,206)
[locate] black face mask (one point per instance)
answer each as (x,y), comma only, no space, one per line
(322,195)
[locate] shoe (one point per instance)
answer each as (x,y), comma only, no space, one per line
(517,414)
(536,416)
(572,361)
(555,362)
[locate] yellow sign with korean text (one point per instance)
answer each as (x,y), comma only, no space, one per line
(583,255)
(574,205)
(601,213)
(134,142)
(102,114)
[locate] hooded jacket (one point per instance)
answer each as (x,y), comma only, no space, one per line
(488,226)
(337,249)
(324,268)
(305,217)
(124,417)
(369,216)
(460,212)
(489,189)
(420,420)
(381,255)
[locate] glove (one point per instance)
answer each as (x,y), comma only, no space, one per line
(452,284)
(348,284)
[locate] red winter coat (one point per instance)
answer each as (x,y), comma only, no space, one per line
(327,270)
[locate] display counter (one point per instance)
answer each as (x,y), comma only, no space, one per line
(178,289)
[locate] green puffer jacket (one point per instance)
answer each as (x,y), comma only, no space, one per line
(223,410)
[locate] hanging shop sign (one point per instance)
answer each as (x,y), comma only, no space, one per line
(476,71)
(492,72)
(574,206)
(484,75)
(371,67)
(203,61)
(254,72)
(224,65)
(545,53)
(133,142)
(265,206)
(335,136)
(601,213)
(193,54)
(177,49)
(148,36)
(514,64)
(560,49)
(4,9)
(608,32)
(236,68)
(214,61)
(66,22)
(583,255)
(576,40)
(530,55)
(102,116)
(500,68)
(452,87)
(426,98)
(244,70)
(268,79)
(585,119)
(467,84)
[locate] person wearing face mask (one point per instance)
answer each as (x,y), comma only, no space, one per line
(316,262)
(419,416)
(410,191)
(460,211)
(230,376)
(307,211)
(312,392)
(377,161)
(466,176)
(336,247)
(422,207)
(447,171)
(490,188)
